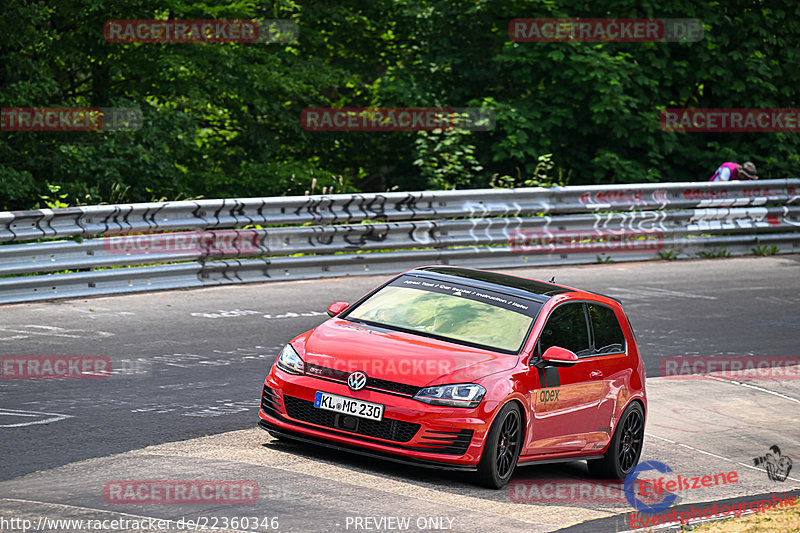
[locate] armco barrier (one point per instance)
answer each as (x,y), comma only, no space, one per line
(136,247)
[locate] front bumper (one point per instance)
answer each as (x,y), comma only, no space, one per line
(277,431)
(411,432)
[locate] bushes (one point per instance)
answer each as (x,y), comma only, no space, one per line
(223,119)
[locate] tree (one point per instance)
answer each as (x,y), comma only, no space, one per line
(222,120)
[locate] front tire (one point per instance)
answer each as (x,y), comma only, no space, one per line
(502,448)
(625,448)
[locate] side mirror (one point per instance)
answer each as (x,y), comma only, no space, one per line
(558,356)
(337,307)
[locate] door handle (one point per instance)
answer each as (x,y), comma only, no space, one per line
(595,374)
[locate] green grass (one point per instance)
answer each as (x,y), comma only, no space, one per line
(714,253)
(765,250)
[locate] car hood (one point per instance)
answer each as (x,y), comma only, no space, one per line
(397,356)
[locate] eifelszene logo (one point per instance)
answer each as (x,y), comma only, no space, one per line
(641,505)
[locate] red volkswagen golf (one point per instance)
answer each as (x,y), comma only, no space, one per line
(465,369)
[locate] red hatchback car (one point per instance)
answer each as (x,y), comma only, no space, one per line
(466,369)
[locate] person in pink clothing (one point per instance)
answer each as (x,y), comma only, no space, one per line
(734,171)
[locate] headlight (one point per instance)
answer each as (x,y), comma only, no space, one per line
(290,362)
(463,395)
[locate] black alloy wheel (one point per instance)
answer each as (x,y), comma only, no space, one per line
(502,448)
(626,446)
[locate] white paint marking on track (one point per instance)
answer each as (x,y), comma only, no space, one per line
(226,314)
(655,291)
(13,337)
(680,294)
(712,454)
(292,314)
(53,331)
(54,417)
(249,312)
(756,387)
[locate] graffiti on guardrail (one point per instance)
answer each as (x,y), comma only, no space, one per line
(634,221)
(731,218)
(304,237)
(479,209)
(606,198)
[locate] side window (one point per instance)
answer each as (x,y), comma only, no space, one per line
(567,328)
(608,337)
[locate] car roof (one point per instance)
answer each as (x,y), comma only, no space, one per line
(536,290)
(539,291)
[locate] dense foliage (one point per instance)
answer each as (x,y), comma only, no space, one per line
(222,120)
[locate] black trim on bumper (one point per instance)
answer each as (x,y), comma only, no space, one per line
(455,443)
(560,460)
(287,433)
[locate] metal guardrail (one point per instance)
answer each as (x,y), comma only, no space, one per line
(138,247)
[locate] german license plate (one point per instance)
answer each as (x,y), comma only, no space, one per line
(349,406)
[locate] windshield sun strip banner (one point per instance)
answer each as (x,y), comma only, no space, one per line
(504,301)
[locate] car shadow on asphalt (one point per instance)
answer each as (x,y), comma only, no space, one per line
(453,482)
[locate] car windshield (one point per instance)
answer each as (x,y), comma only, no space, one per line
(452,312)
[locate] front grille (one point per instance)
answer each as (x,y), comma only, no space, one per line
(382,384)
(372,383)
(386,429)
(449,442)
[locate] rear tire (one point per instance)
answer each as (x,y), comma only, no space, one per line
(625,447)
(502,448)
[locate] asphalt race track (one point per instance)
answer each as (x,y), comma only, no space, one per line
(182,404)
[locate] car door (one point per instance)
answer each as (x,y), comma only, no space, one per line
(609,364)
(565,404)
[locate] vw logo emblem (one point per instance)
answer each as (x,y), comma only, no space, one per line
(357,380)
